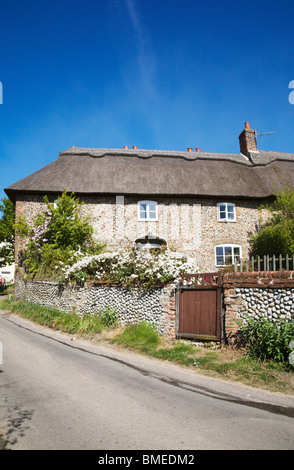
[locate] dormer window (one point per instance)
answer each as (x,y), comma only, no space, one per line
(226,212)
(147,210)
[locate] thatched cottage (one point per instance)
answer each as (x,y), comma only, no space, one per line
(203,204)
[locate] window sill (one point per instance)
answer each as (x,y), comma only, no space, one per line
(227,221)
(147,220)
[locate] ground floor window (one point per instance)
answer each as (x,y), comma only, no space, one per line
(227,254)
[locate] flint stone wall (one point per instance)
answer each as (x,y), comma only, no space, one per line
(268,294)
(156,306)
(257,294)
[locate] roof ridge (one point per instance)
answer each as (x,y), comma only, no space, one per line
(147,153)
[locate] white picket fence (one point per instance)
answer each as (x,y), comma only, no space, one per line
(265,263)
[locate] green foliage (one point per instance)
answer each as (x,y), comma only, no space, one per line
(59,236)
(7,220)
(108,316)
(268,340)
(140,336)
(276,236)
(179,353)
(7,232)
(283,206)
(54,318)
(275,240)
(65,228)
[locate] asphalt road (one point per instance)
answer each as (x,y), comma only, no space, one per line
(60,394)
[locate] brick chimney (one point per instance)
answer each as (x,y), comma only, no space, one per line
(247,140)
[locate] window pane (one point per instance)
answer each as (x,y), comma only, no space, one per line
(152,206)
(231,211)
(222,211)
(236,251)
(143,211)
(219,260)
(219,251)
(152,215)
(236,254)
(219,255)
(228,254)
(228,250)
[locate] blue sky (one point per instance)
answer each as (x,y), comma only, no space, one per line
(159,74)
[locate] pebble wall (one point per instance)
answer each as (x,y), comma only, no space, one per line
(258,294)
(254,294)
(157,306)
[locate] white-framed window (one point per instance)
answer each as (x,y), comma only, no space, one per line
(227,254)
(226,212)
(147,210)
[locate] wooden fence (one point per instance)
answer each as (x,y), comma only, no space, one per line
(265,263)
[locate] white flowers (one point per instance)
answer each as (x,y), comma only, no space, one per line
(6,253)
(134,266)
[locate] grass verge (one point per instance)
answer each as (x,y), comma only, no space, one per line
(210,359)
(53,318)
(223,362)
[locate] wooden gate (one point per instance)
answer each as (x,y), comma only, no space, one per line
(199,306)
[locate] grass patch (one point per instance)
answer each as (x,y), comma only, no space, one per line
(141,337)
(54,318)
(223,362)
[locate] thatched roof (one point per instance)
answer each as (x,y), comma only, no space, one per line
(94,171)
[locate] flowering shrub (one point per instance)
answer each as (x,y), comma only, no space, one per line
(137,267)
(53,238)
(6,253)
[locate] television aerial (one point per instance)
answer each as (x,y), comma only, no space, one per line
(259,134)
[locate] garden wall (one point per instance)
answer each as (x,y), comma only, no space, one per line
(269,294)
(156,306)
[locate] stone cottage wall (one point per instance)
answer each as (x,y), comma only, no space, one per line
(157,306)
(188,225)
(257,294)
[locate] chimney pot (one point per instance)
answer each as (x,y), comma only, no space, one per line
(126,147)
(135,147)
(247,126)
(189,149)
(197,149)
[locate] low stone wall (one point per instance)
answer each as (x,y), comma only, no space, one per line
(156,306)
(268,294)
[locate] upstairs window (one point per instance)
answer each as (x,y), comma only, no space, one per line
(226,255)
(226,212)
(147,210)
